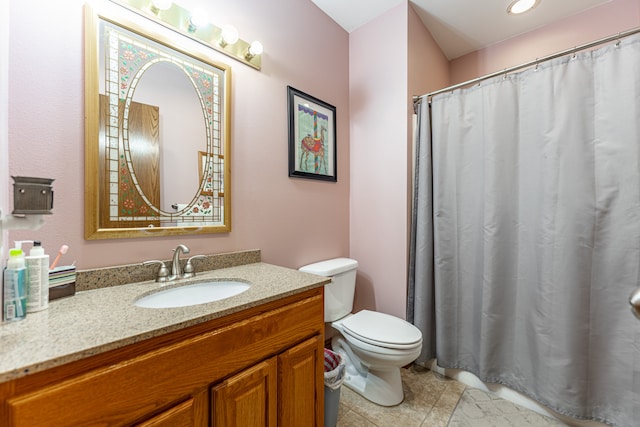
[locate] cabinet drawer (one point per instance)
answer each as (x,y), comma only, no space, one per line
(125,392)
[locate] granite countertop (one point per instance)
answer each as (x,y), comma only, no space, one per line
(98,320)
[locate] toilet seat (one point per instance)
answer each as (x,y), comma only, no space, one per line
(382,330)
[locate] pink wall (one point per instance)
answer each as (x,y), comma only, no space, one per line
(293,221)
(593,24)
(391,59)
(4,120)
(428,67)
(379,137)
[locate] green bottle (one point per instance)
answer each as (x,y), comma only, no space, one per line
(14,301)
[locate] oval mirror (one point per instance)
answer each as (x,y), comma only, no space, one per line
(157,139)
(181,129)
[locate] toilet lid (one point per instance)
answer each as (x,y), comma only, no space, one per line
(382,329)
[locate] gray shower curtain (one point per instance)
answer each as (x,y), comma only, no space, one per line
(525,239)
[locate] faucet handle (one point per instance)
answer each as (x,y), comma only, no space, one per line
(163,271)
(189,271)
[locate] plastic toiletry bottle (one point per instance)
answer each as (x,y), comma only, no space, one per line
(14,303)
(37,264)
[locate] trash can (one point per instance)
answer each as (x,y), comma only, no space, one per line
(334,371)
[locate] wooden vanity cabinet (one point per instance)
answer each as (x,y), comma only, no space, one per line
(259,367)
(249,398)
(190,413)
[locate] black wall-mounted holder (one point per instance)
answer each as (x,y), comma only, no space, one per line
(32,195)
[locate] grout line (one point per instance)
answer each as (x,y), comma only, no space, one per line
(437,417)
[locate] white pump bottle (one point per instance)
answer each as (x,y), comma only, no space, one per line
(37,263)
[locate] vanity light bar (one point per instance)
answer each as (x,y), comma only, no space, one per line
(179,19)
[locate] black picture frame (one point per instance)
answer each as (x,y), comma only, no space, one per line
(312,137)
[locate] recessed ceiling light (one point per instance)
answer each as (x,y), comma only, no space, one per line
(520,6)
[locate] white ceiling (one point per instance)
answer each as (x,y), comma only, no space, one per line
(459,26)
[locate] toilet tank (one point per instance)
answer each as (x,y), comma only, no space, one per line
(338,295)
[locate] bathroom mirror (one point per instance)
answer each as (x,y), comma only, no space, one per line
(157,131)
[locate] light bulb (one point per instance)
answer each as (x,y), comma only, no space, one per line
(229,35)
(199,18)
(256,48)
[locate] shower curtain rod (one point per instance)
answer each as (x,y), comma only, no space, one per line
(530,63)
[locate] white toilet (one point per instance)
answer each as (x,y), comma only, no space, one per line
(374,345)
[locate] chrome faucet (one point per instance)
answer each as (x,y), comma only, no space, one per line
(176,270)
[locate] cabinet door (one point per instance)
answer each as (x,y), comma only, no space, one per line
(190,413)
(301,385)
(248,398)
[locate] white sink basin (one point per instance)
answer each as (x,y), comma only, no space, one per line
(193,294)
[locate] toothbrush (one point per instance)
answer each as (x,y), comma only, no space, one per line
(63,250)
(18,303)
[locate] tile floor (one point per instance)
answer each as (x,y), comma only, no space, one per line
(431,401)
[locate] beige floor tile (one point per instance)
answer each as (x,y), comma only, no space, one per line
(430,401)
(352,419)
(409,413)
(446,404)
(422,388)
(478,409)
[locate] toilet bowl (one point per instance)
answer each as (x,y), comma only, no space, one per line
(374,345)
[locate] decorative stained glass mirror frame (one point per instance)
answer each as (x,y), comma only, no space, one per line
(116,203)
